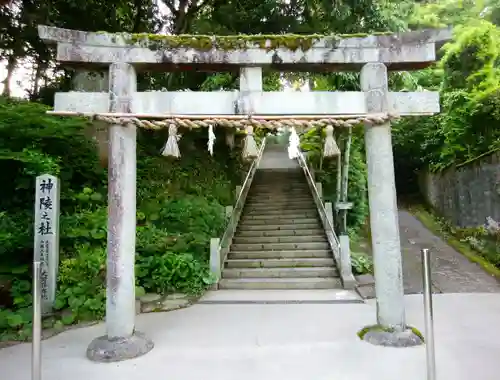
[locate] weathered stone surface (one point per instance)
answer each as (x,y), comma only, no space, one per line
(383,202)
(365,279)
(107,350)
(50,34)
(256,103)
(468,194)
(176,296)
(406,338)
(150,297)
(120,286)
(173,304)
(150,307)
(365,286)
(156,303)
(403,51)
(366,291)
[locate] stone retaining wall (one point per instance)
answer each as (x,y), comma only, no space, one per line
(467,194)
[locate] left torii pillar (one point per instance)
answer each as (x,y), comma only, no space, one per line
(121,341)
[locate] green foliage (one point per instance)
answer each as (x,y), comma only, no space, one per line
(443,13)
(468,123)
(326,173)
(180,207)
(470,61)
(361,264)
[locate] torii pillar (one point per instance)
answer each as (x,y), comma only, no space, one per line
(121,341)
(391,327)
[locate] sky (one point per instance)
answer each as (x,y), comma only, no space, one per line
(22,76)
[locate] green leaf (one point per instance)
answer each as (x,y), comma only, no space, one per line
(96,197)
(139,291)
(60,303)
(68,318)
(15,320)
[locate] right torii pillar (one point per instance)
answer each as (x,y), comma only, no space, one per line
(391,329)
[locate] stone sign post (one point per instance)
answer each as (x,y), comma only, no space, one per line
(46,242)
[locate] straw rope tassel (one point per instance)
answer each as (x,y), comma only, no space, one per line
(293,144)
(171,148)
(330,148)
(211,139)
(250,149)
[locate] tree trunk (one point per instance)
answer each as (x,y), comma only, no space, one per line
(11,66)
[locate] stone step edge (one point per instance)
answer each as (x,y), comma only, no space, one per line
(258,239)
(282,279)
(291,283)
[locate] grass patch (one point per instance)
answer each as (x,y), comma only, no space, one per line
(361,256)
(459,239)
(380,328)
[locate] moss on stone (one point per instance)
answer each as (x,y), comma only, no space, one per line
(237,42)
(379,328)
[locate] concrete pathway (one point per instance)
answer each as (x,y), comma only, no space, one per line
(451,271)
(269,342)
(276,157)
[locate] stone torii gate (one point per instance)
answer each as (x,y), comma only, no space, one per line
(121,55)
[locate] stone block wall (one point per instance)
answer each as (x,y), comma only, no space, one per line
(467,194)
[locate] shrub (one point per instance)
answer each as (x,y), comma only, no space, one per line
(180,207)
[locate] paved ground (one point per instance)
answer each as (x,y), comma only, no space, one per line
(276,157)
(451,271)
(269,342)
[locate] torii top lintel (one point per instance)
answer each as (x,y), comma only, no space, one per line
(404,51)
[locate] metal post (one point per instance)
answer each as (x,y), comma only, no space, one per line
(428,315)
(36,346)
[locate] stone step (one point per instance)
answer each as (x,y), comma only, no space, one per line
(244,222)
(292,254)
(283,185)
(262,206)
(277,179)
(281,283)
(279,239)
(273,210)
(279,189)
(279,192)
(279,199)
(259,205)
(274,178)
(281,263)
(280,246)
(278,272)
(281,232)
(292,214)
(279,227)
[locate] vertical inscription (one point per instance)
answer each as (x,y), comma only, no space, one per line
(46,241)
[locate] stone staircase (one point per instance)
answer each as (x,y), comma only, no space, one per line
(280,242)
